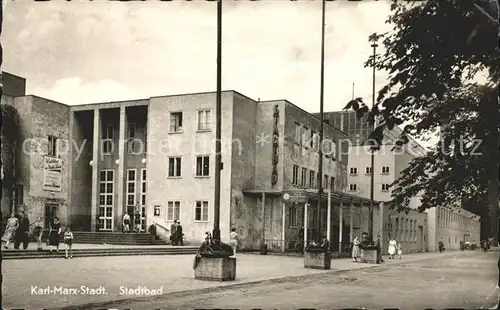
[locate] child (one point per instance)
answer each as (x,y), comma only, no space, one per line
(400,250)
(68,241)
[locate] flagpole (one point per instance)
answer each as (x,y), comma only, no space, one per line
(218,106)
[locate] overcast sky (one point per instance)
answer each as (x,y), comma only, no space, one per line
(88,52)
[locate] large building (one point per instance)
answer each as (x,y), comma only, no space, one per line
(89,164)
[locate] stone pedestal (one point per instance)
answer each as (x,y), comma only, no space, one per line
(215,269)
(317,259)
(369,256)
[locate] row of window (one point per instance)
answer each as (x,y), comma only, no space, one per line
(449,218)
(309,178)
(353,171)
(405,230)
(384,187)
(174,211)
(310,140)
(175,166)
(203,122)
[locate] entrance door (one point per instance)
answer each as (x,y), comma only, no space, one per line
(421,239)
(50,212)
(106,201)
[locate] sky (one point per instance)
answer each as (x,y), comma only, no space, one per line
(87,52)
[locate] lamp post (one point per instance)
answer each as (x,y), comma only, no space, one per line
(218,106)
(321,99)
(372,152)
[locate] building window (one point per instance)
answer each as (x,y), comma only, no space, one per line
(204,119)
(106,194)
(107,137)
(201,211)
(312,179)
(325,181)
(143,187)
(131,180)
(52,148)
(303,177)
(173,210)
(368,170)
(174,167)
(295,175)
(406,230)
(332,183)
(385,170)
(333,150)
(292,216)
(19,195)
(202,166)
(353,187)
(313,144)
(385,187)
(305,136)
(298,133)
(176,122)
(132,143)
(353,171)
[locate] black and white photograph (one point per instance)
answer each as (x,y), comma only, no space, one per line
(258,154)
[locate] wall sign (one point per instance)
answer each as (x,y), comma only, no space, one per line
(276,139)
(157,210)
(52,170)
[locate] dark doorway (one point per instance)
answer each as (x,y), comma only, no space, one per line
(50,213)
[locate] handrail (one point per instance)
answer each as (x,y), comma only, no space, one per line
(165,236)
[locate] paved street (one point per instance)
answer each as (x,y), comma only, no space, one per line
(175,276)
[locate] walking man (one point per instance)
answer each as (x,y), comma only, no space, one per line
(378,244)
(179,233)
(173,233)
(22,231)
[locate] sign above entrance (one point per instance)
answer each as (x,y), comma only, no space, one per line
(295,197)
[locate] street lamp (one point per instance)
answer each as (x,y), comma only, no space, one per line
(218,106)
(321,103)
(372,150)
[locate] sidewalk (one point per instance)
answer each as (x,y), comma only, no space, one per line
(170,273)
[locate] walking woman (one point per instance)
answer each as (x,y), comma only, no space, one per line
(392,248)
(355,249)
(234,240)
(10,229)
(38,232)
(55,234)
(399,249)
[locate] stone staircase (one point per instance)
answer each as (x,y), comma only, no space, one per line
(100,251)
(102,237)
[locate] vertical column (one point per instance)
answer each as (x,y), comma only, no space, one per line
(351,221)
(329,217)
(263,211)
(121,170)
(381,225)
(306,218)
(95,166)
(70,167)
(283,227)
(341,224)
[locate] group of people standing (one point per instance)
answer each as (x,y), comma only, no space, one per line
(19,227)
(394,248)
(127,222)
(176,233)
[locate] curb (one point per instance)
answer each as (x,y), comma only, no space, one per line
(200,291)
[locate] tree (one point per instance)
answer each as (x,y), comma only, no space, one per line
(433,56)
(10,133)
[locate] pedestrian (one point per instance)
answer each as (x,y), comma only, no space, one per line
(38,232)
(54,235)
(137,221)
(325,243)
(441,245)
(126,223)
(22,232)
(399,247)
(10,228)
(68,242)
(355,249)
(180,235)
(173,233)
(378,244)
(392,248)
(234,240)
